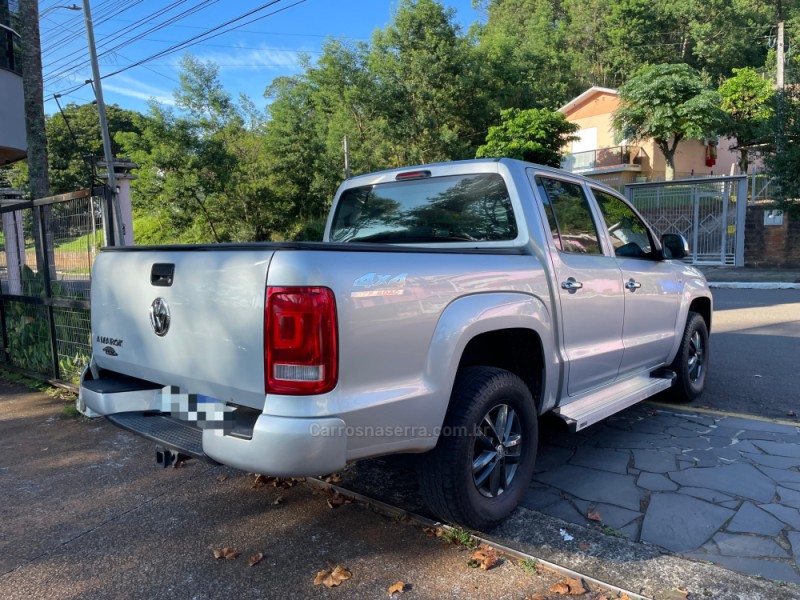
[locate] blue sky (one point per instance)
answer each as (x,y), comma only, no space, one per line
(249,57)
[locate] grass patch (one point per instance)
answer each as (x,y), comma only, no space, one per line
(70,410)
(530,566)
(613,532)
(21,379)
(459,537)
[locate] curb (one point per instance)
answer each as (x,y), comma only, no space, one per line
(393,511)
(754,285)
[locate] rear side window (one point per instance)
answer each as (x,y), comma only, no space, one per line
(569,216)
(457,208)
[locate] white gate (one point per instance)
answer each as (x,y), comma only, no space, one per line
(709,212)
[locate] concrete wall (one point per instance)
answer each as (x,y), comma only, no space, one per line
(13,145)
(771,246)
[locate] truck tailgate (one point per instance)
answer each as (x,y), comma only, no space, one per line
(214,339)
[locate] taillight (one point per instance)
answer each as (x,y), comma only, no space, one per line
(300,341)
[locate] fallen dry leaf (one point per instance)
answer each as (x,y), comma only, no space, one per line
(433,531)
(278,500)
(569,587)
(260,481)
(484,557)
(676,594)
(333,578)
(222,478)
(594,516)
(560,588)
(226,553)
(397,588)
(334,478)
(255,559)
(338,500)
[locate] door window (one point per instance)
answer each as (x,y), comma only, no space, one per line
(569,216)
(629,235)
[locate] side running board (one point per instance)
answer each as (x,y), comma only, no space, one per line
(588,410)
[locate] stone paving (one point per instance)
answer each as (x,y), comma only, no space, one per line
(710,487)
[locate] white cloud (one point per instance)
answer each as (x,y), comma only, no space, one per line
(125,85)
(254,58)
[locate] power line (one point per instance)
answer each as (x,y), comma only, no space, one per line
(194,40)
(206,35)
(74,65)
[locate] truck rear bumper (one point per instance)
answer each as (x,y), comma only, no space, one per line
(282,447)
(277,446)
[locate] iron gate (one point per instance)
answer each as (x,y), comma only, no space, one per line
(709,212)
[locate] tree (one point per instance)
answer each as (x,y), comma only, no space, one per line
(747,99)
(70,156)
(524,57)
(534,135)
(668,103)
(784,166)
(205,174)
(425,75)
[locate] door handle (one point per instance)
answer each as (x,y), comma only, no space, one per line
(633,285)
(571,285)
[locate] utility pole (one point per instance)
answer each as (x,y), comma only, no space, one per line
(119,239)
(781,56)
(346,144)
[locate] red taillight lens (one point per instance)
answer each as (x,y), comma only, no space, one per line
(300,341)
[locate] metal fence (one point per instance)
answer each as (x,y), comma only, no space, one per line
(46,253)
(709,212)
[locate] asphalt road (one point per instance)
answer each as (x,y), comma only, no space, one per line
(755,354)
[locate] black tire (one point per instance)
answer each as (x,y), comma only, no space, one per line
(454,485)
(691,362)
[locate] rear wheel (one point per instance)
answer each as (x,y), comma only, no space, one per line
(691,362)
(483,462)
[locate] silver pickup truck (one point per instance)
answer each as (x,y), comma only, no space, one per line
(448,307)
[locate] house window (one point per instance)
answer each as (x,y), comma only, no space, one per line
(8,42)
(587,140)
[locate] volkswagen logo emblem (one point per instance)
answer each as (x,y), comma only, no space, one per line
(159,316)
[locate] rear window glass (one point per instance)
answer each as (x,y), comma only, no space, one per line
(457,208)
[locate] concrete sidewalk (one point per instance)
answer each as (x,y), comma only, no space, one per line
(749,278)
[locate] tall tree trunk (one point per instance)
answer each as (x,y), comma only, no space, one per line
(38,176)
(34,100)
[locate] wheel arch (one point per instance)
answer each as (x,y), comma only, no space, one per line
(487,329)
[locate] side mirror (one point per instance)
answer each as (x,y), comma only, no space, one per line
(675,246)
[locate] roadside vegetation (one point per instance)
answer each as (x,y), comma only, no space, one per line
(423,89)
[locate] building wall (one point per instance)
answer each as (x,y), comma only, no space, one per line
(596,112)
(13,145)
(771,246)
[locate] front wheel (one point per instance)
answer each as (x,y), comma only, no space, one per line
(483,462)
(691,362)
